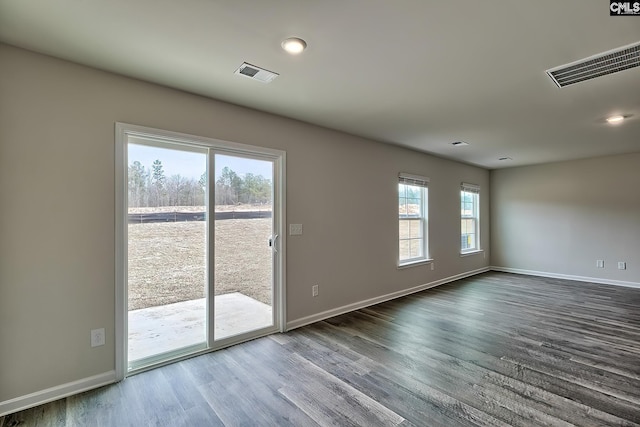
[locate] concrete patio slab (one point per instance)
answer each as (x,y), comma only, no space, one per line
(168,327)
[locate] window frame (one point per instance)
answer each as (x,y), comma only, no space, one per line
(422,217)
(474,191)
(123,132)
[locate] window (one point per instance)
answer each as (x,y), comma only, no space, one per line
(470,219)
(412,216)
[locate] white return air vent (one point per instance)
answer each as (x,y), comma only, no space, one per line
(256,73)
(602,64)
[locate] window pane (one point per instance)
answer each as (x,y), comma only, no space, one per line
(402,208)
(472,241)
(468,236)
(405,229)
(411,225)
(404,250)
(416,248)
(465,242)
(413,207)
(415,228)
(402,190)
(468,241)
(467,209)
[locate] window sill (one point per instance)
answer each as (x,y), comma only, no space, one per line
(464,254)
(414,263)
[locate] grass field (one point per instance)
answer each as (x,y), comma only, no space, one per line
(167,261)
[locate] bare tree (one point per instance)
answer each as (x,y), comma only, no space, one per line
(137,185)
(157,184)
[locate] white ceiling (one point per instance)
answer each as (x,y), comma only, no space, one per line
(417,73)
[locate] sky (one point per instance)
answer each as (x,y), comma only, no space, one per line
(193,165)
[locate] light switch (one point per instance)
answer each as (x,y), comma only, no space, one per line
(295,229)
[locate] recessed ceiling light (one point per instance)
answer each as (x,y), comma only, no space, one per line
(459,143)
(294,45)
(615,119)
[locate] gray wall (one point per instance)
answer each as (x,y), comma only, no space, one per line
(57,264)
(561,217)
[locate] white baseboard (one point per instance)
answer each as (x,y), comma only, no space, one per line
(54,393)
(567,277)
(377,300)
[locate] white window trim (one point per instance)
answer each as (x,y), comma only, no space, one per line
(472,188)
(420,181)
(469,253)
(427,261)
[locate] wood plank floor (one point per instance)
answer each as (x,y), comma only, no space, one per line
(495,349)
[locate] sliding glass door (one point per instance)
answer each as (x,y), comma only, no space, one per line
(199,245)
(244,239)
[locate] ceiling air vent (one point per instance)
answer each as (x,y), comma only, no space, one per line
(256,73)
(602,64)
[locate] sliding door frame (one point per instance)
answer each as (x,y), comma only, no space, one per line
(122,133)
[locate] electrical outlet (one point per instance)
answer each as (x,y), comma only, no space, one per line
(622,265)
(433,266)
(600,263)
(314,291)
(97,337)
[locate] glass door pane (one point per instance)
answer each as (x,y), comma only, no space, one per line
(167,250)
(243,282)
